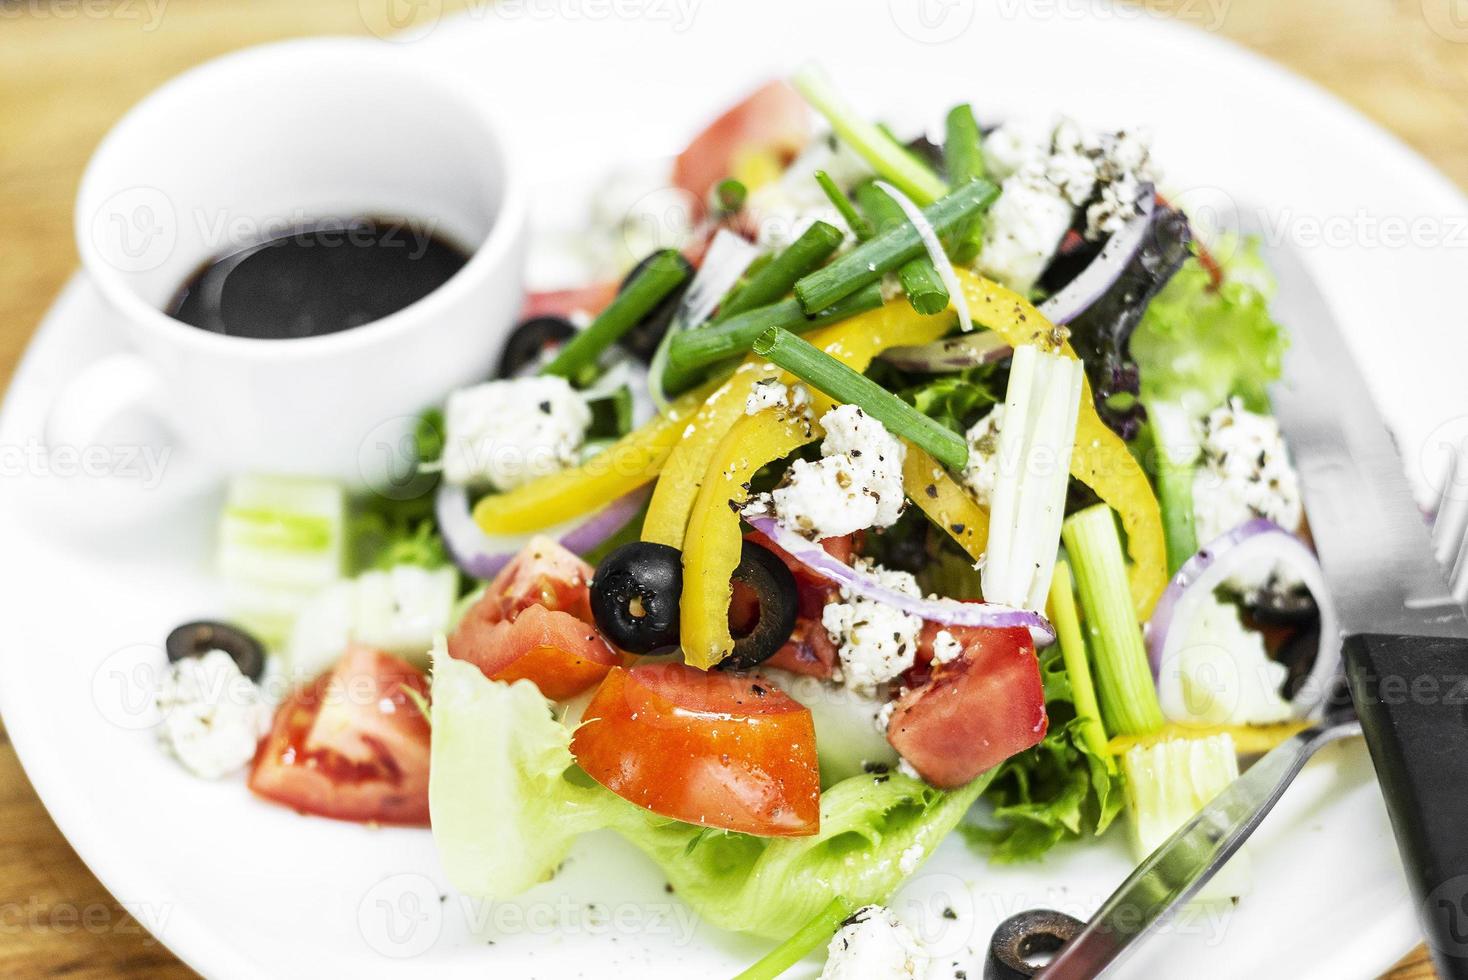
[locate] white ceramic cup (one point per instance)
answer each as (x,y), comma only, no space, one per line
(248,147)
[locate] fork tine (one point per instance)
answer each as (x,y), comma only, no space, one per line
(1452,517)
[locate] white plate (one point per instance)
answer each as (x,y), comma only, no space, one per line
(243,889)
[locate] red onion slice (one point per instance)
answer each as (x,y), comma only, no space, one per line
(952,354)
(1214,563)
(949,612)
(481,555)
(1095,279)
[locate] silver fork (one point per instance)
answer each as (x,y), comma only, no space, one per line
(1181,866)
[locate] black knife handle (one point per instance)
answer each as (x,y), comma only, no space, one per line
(1411,693)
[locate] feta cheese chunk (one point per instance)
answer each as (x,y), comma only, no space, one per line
(856,484)
(1024,228)
(875,642)
(873,944)
(945,647)
(213,715)
(1221,674)
(770,393)
(507,433)
(1246,473)
(982,470)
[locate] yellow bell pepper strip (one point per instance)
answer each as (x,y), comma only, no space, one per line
(1248,739)
(1101,460)
(708,569)
(621,468)
(853,342)
(947,505)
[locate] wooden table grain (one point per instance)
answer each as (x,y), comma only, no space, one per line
(69,68)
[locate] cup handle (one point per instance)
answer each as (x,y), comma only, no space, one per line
(103,394)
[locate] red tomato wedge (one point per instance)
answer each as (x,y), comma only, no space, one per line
(542,574)
(556,651)
(809,651)
(352,744)
(713,749)
(974,711)
(773,119)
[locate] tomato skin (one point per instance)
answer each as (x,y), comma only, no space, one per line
(973,712)
(809,651)
(542,574)
(351,745)
(714,749)
(773,118)
(554,650)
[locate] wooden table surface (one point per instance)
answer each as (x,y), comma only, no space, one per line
(69,68)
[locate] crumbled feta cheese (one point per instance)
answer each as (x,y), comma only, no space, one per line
(1009,147)
(883,720)
(507,433)
(770,393)
(213,715)
(1023,229)
(873,944)
(945,647)
(856,484)
(909,770)
(1245,473)
(908,862)
(875,642)
(1222,674)
(981,473)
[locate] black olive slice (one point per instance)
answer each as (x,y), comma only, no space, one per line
(197,639)
(1023,943)
(528,340)
(635,595)
(643,339)
(773,586)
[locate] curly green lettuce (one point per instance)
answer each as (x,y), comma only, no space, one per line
(507,804)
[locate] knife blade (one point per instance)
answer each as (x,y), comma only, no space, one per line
(1404,638)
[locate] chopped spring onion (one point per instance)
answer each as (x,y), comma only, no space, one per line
(727,258)
(730,195)
(874,258)
(657,279)
(1166,784)
(774,279)
(889,158)
(936,254)
(920,279)
(963,154)
(1035,443)
(695,349)
(824,372)
(1067,625)
(281,540)
(859,226)
(1123,674)
(806,940)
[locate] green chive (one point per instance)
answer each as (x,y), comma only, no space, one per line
(919,277)
(729,195)
(819,369)
(806,940)
(963,154)
(871,260)
(695,349)
(889,158)
(859,226)
(657,279)
(806,253)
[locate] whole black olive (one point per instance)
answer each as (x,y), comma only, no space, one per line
(197,639)
(643,339)
(773,586)
(635,594)
(1022,944)
(529,340)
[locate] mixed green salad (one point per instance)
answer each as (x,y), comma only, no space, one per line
(917,485)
